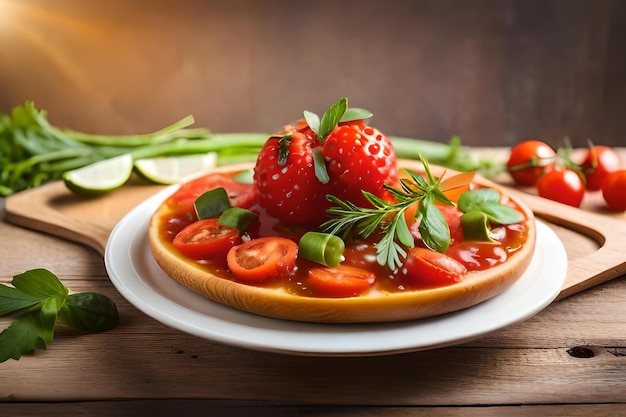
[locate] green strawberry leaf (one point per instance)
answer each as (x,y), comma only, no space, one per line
(331,117)
(354,113)
(313,120)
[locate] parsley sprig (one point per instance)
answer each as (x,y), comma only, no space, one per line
(389,217)
(39,299)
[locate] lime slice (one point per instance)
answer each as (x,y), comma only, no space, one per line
(100,177)
(174,169)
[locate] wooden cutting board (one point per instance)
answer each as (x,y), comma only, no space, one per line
(55,210)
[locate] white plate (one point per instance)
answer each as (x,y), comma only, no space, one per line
(139,279)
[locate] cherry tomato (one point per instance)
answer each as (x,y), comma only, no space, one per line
(240,194)
(428,268)
(262,258)
(529,160)
(562,185)
(205,239)
(340,281)
(614,190)
(599,161)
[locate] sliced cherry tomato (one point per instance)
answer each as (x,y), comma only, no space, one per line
(562,185)
(428,268)
(599,161)
(240,194)
(205,239)
(340,281)
(529,160)
(614,190)
(263,258)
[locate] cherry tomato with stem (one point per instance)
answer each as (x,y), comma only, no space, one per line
(263,258)
(530,160)
(614,190)
(563,185)
(599,161)
(339,281)
(205,239)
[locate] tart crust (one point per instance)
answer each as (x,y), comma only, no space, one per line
(476,286)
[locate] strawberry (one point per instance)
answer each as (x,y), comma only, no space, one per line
(359,157)
(285,178)
(338,154)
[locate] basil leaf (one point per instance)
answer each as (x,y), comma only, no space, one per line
(487,200)
(313,120)
(236,217)
(212,203)
(24,335)
(501,213)
(48,316)
(433,226)
(12,299)
(402,231)
(474,199)
(354,113)
(331,117)
(90,312)
(39,283)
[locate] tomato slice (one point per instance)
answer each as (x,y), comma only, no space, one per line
(340,281)
(240,194)
(205,239)
(262,258)
(428,268)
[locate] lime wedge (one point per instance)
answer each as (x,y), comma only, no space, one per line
(100,177)
(174,169)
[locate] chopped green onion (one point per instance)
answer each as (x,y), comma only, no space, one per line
(323,248)
(237,218)
(475,226)
(212,203)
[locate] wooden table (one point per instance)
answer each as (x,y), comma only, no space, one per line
(570,359)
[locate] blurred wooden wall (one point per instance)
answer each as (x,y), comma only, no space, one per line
(492,71)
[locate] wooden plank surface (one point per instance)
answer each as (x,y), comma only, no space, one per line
(570,359)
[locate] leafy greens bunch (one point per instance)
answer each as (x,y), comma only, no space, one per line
(33,151)
(39,299)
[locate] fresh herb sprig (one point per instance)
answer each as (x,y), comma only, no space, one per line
(39,300)
(389,218)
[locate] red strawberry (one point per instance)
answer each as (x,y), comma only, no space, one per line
(359,157)
(285,178)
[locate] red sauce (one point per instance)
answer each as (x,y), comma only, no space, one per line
(475,256)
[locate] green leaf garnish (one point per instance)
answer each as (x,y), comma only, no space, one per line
(320,167)
(487,200)
(331,118)
(237,218)
(354,113)
(211,203)
(389,217)
(40,299)
(313,120)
